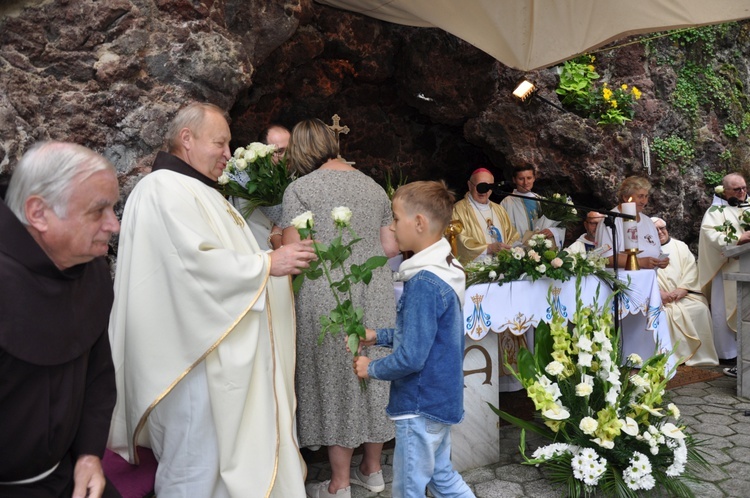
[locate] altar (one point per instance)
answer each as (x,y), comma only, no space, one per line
(498,318)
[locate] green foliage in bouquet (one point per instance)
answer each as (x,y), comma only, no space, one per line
(331,259)
(252,175)
(563,211)
(538,260)
(612,431)
(727,228)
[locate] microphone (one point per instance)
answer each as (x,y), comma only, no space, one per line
(735,202)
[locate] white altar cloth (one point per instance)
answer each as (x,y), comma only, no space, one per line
(518,307)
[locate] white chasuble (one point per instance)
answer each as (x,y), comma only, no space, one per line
(192,285)
(525,226)
(689,318)
(711,261)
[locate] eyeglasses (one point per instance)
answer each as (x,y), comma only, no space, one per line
(661,229)
(739,189)
(280,152)
(483,187)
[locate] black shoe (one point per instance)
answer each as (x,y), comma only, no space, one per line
(728,361)
(731,372)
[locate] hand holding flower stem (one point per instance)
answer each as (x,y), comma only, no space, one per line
(345,316)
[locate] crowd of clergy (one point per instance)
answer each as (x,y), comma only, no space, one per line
(699,304)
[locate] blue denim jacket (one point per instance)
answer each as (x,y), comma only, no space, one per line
(426,366)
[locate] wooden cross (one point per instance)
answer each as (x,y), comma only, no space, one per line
(338,130)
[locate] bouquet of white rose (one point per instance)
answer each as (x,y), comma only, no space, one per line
(344,316)
(611,429)
(251,174)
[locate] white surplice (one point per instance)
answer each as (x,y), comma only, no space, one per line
(193,286)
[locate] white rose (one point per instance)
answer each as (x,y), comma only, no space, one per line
(305,220)
(583,389)
(238,152)
(260,149)
(341,215)
(547,243)
(574,211)
(223,179)
(673,410)
(492,275)
(250,155)
(541,268)
(531,243)
(240,164)
(719,189)
(588,425)
(554,368)
(556,263)
(635,359)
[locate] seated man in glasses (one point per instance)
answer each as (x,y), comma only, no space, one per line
(587,241)
(722,294)
(486,226)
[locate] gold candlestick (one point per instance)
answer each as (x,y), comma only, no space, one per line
(631,263)
(454,228)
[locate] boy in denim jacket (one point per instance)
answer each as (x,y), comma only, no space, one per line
(426,366)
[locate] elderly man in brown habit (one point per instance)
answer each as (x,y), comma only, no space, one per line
(57,385)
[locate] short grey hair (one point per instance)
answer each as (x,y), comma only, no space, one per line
(630,185)
(48,169)
(191,116)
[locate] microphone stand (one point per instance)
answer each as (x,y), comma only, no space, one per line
(609,221)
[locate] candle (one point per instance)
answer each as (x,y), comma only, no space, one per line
(629,227)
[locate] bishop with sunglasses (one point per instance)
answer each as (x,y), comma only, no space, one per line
(487,228)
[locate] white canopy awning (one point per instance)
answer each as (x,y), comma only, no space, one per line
(533,34)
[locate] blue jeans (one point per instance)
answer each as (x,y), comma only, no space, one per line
(422,459)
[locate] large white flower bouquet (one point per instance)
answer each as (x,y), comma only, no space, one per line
(612,431)
(537,259)
(251,174)
(344,316)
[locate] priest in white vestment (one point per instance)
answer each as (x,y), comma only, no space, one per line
(722,294)
(645,237)
(524,213)
(686,308)
(587,241)
(202,330)
(486,227)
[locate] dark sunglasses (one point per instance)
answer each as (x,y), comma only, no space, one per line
(483,187)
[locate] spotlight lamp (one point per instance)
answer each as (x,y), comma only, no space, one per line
(525,90)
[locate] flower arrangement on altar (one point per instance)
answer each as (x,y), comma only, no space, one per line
(251,174)
(537,259)
(331,262)
(610,426)
(563,212)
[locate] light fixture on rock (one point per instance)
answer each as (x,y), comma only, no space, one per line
(525,90)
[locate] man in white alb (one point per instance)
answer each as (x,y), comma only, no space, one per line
(202,329)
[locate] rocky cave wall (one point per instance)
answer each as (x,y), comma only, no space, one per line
(419,102)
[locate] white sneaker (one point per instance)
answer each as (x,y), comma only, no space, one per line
(320,490)
(373,482)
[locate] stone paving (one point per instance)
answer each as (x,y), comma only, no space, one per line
(712,411)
